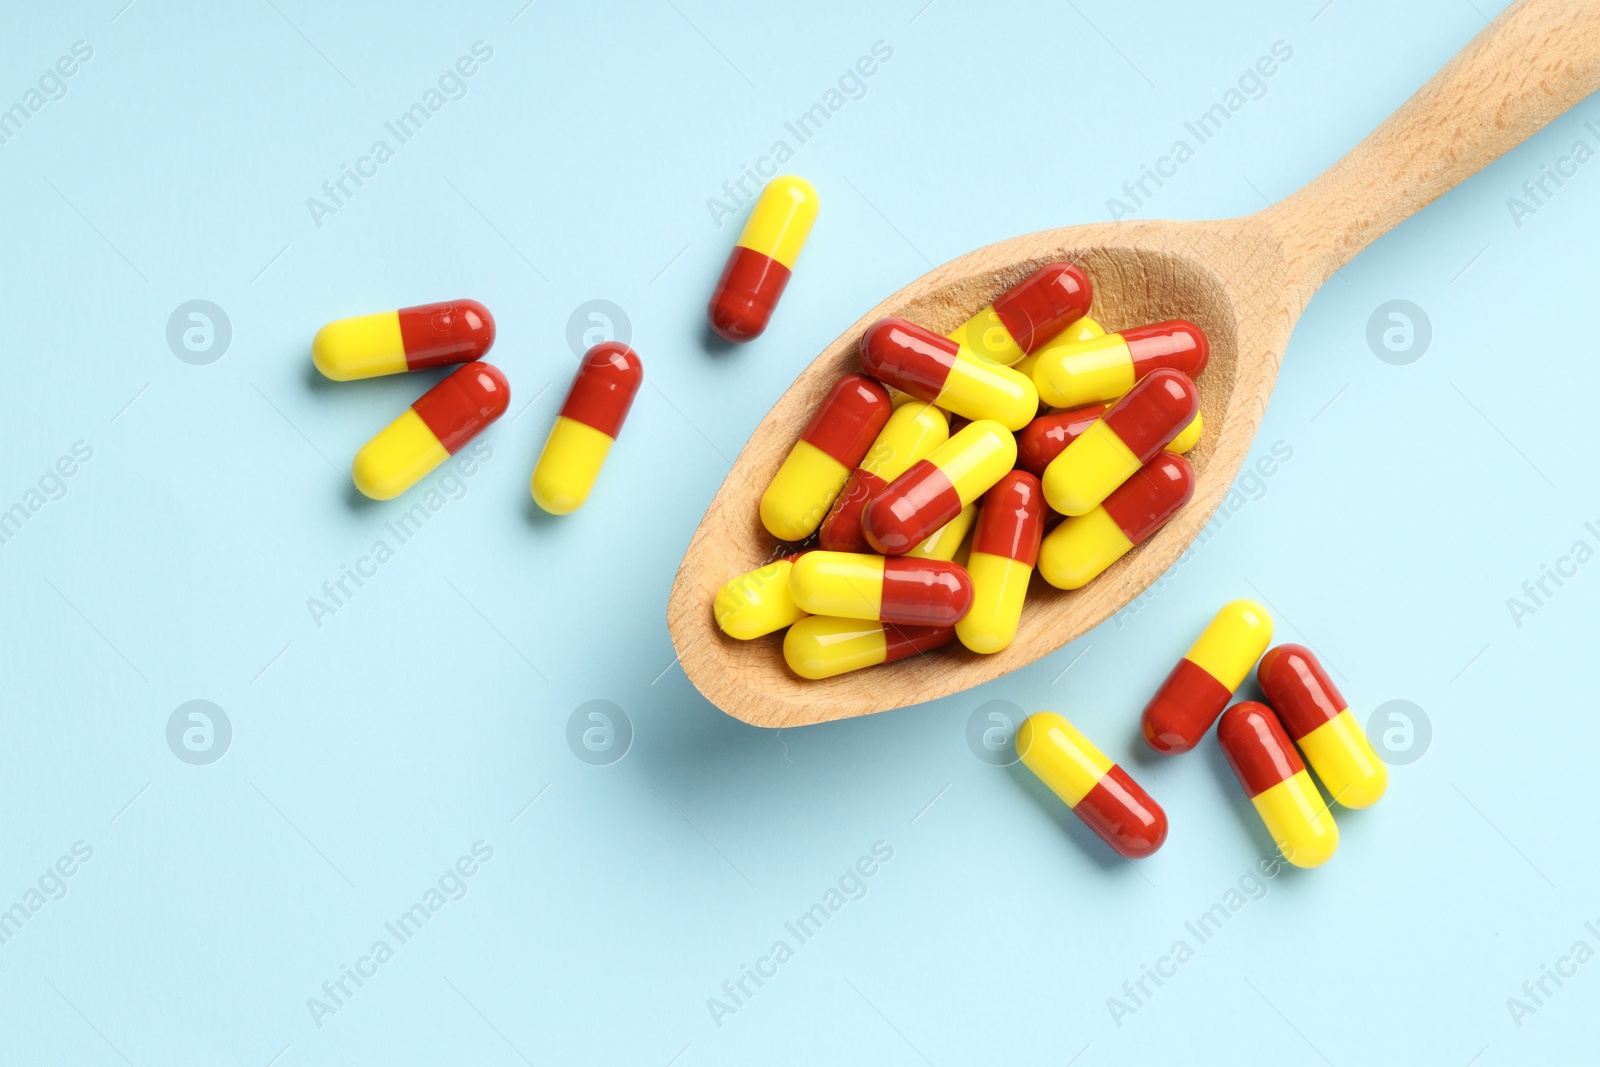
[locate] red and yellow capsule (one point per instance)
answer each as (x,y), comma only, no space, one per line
(1320,722)
(947,373)
(1098,791)
(946,542)
(758,269)
(913,431)
(590,418)
(820,647)
(414,338)
(1085,329)
(432,430)
(1046,437)
(1200,686)
(832,444)
(1027,315)
(1277,783)
(902,591)
(1005,547)
(1121,441)
(757,602)
(1102,369)
(935,489)
(1082,547)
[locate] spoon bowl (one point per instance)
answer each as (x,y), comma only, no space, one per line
(1245,282)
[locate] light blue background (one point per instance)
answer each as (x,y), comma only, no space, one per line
(370,753)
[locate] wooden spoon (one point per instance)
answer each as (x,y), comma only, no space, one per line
(1245,281)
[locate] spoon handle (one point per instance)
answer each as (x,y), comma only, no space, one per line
(1533,62)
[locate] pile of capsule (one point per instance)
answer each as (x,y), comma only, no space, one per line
(943,436)
(1303,716)
(464,404)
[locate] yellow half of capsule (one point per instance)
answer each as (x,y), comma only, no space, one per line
(801,493)
(782,218)
(1084,329)
(845,585)
(999,585)
(399,457)
(366,346)
(1227,649)
(1300,823)
(1079,550)
(1088,469)
(987,337)
(945,542)
(821,647)
(1187,437)
(757,602)
(567,468)
(912,432)
(1063,758)
(1084,372)
(980,389)
(1340,753)
(977,456)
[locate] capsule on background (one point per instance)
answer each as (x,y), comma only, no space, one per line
(414,338)
(945,542)
(587,427)
(432,430)
(1200,686)
(946,373)
(1084,329)
(935,489)
(900,591)
(1098,791)
(1124,439)
(758,269)
(1082,547)
(913,431)
(1043,439)
(757,602)
(1277,783)
(1321,723)
(1005,547)
(1027,315)
(820,647)
(833,442)
(1102,369)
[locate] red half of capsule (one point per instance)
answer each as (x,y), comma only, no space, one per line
(1260,752)
(1040,307)
(604,388)
(458,408)
(1011,521)
(1154,412)
(1179,345)
(742,303)
(1046,437)
(913,506)
(455,331)
(1299,689)
(1184,708)
(1141,505)
(1123,814)
(908,357)
(842,531)
(903,641)
(924,592)
(849,418)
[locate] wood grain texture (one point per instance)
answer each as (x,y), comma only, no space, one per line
(1245,281)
